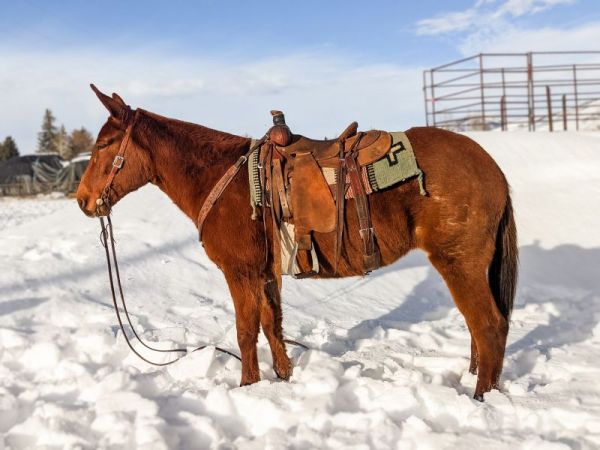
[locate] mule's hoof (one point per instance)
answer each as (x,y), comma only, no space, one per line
(478,397)
(284,372)
(249,380)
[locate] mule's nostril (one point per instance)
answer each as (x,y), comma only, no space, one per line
(82,202)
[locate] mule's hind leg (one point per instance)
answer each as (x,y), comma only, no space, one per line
(270,319)
(474,356)
(474,299)
(244,291)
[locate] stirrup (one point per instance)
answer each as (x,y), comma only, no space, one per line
(294,269)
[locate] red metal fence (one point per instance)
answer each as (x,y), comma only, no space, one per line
(534,90)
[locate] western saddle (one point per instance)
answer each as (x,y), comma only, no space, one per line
(292,176)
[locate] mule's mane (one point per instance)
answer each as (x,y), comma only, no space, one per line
(181,130)
(189,158)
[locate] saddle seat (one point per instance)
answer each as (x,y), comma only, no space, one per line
(372,146)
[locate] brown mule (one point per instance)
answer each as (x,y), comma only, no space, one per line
(465,225)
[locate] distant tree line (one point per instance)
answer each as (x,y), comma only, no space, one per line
(8,149)
(53,139)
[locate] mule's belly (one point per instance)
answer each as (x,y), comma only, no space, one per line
(390,215)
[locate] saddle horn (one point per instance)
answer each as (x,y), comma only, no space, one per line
(280,133)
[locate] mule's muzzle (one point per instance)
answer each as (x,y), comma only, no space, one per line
(93,208)
(83,205)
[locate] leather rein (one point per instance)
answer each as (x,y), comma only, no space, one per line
(108,242)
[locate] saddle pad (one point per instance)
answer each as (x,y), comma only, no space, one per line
(398,165)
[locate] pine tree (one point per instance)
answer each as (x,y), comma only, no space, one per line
(61,143)
(81,141)
(47,137)
(8,149)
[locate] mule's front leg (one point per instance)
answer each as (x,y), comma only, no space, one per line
(270,319)
(247,320)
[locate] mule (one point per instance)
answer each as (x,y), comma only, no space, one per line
(465,225)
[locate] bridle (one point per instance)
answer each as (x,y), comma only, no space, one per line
(118,162)
(108,242)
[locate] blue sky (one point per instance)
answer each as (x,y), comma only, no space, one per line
(226,63)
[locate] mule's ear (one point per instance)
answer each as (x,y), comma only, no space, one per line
(118,98)
(116,108)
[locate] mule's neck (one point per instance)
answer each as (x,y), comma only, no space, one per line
(189,159)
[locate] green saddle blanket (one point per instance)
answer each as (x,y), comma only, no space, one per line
(398,165)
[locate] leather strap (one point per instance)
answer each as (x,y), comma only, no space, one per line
(280,203)
(371,257)
(218,189)
(341,197)
(119,160)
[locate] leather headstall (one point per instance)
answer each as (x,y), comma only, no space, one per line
(119,158)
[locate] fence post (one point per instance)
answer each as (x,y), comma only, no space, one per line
(432,97)
(564,108)
(549,103)
(576,97)
(503,124)
(530,92)
(425,97)
(482,92)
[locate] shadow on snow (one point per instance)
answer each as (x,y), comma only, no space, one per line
(567,276)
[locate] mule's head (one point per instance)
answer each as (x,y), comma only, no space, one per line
(136,166)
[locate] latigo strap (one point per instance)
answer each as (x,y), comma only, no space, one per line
(218,189)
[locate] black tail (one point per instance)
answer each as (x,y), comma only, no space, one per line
(504,267)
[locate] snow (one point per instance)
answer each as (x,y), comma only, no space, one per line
(389,353)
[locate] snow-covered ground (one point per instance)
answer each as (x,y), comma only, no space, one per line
(389,358)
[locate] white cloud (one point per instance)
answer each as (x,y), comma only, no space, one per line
(320,93)
(186,86)
(514,39)
(517,8)
(482,16)
(447,22)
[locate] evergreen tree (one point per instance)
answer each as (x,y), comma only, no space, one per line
(47,137)
(61,143)
(81,141)
(8,149)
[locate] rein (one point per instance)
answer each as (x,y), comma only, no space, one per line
(108,242)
